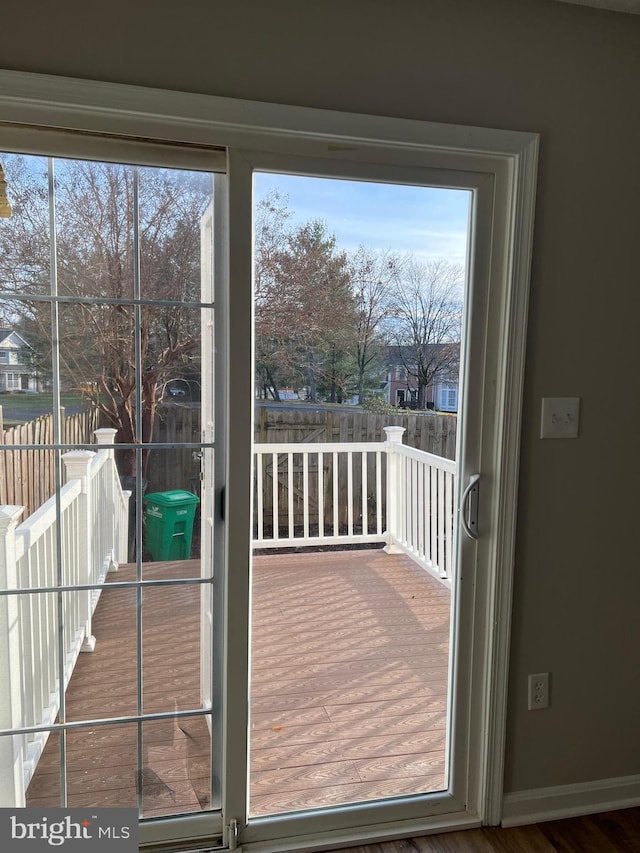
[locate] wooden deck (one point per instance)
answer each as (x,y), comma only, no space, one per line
(348,689)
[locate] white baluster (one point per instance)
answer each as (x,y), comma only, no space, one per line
(292,531)
(320,495)
(274,496)
(305,494)
(259,496)
(364,456)
(350,494)
(336,519)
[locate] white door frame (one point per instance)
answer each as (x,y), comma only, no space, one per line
(33,107)
(464,803)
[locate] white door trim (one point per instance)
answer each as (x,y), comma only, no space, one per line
(146,114)
(510,373)
(205,126)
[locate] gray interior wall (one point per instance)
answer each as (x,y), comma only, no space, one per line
(573,75)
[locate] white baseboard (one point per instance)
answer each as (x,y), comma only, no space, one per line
(562,801)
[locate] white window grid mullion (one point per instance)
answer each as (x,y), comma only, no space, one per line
(58,437)
(138,495)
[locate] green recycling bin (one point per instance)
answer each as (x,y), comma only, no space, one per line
(169,524)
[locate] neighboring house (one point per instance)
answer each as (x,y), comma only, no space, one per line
(401,387)
(17,372)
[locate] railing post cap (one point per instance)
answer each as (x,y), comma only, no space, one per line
(105,435)
(10,515)
(394,433)
(78,455)
(76,463)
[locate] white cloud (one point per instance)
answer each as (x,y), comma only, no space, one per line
(428,222)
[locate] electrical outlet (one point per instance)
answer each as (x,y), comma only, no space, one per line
(538,691)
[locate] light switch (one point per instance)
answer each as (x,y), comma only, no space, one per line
(560,417)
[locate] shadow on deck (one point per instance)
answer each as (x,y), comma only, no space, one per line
(348,689)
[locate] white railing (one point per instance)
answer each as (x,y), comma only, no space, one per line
(422,507)
(40,553)
(364,492)
(318,494)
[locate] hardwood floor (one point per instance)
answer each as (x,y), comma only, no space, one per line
(348,689)
(609,832)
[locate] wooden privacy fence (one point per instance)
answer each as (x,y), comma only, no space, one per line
(432,433)
(178,468)
(27,472)
(27,475)
(178,424)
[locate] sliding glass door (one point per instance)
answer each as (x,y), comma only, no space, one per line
(249,578)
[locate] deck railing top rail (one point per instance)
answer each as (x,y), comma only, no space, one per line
(320,447)
(437,462)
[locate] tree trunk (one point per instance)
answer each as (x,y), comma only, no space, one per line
(421,396)
(312,394)
(271,385)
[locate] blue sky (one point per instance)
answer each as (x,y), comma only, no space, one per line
(429,222)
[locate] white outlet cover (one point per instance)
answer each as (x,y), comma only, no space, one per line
(538,691)
(560,417)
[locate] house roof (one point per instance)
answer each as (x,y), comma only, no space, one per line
(6,334)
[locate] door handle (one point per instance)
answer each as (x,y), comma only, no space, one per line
(469,507)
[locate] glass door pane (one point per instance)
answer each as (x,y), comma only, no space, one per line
(106,384)
(359,293)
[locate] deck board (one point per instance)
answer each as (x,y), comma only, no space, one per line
(348,688)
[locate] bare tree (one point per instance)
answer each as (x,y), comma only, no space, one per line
(275,308)
(109,348)
(425,322)
(374,275)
